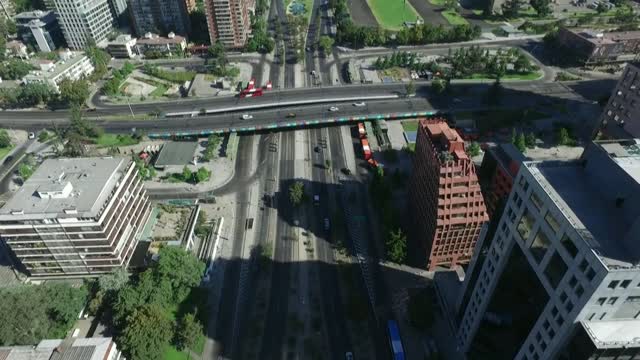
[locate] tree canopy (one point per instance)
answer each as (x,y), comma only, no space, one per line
(14,69)
(148,330)
(296,193)
(38,312)
(165,286)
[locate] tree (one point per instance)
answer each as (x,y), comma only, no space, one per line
(521,143)
(511,8)
(5,139)
(522,64)
(3,39)
(450,4)
(542,7)
(624,14)
(45,311)
(530,140)
(99,58)
(43,136)
(438,86)
(32,94)
(25,171)
(188,332)
(181,269)
(397,246)
(296,193)
(187,175)
(74,92)
(148,331)
(601,8)
(410,88)
(326,43)
(14,69)
(217,51)
(473,149)
(212,145)
(564,138)
(202,175)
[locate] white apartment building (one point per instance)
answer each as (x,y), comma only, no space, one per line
(72,65)
(83,19)
(560,277)
(123,46)
(76,217)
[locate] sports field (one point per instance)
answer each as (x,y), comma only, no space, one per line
(392,13)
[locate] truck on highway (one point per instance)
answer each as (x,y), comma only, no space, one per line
(366,150)
(361,131)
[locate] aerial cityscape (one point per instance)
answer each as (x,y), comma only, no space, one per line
(319,179)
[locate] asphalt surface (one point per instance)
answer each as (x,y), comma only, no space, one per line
(226,328)
(272,346)
(323,184)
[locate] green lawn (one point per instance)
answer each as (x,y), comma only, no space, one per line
(509,76)
(477,12)
(454,18)
(392,13)
(159,91)
(171,353)
(108,140)
(410,125)
(4,151)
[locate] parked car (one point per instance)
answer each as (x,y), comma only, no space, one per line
(291,115)
(32,135)
(247,117)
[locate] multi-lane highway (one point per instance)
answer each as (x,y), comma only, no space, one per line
(269,109)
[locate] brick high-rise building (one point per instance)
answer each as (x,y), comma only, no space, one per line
(76,217)
(228,22)
(445,195)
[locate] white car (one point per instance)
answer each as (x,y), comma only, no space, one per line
(32,135)
(358,104)
(247,117)
(333,108)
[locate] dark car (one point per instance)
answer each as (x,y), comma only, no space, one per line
(346,171)
(291,115)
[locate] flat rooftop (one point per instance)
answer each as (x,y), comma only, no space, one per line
(76,188)
(613,334)
(60,66)
(626,153)
(176,153)
(600,223)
